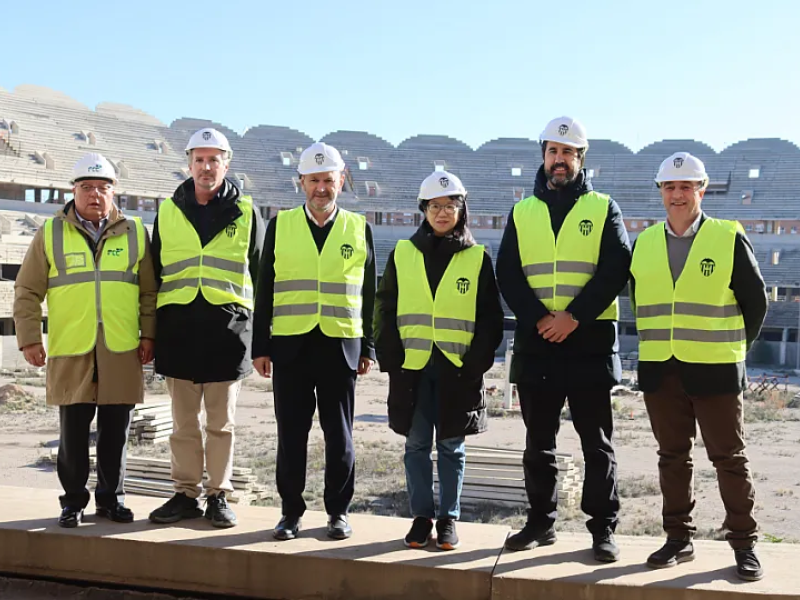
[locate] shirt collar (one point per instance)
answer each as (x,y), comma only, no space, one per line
(313,220)
(89,226)
(689,232)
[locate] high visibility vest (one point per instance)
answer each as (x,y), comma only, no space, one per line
(696,319)
(446,318)
(319,288)
(220,270)
(557,269)
(81,293)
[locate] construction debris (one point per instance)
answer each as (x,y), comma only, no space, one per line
(151,423)
(15,397)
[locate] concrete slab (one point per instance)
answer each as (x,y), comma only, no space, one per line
(245,560)
(567,571)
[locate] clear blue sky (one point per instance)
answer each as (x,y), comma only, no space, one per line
(636,72)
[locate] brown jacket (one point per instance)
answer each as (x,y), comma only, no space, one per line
(71,379)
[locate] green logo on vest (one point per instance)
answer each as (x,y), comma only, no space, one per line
(585,227)
(347,251)
(231,230)
(114,251)
(462,285)
(707,267)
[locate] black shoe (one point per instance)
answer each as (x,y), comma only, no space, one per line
(446,536)
(604,547)
(218,511)
(748,568)
(119,513)
(338,528)
(420,533)
(70,517)
(671,553)
(180,506)
(531,537)
(287,528)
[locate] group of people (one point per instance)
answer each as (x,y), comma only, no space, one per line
(215,292)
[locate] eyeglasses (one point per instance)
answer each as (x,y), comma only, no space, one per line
(101,189)
(449,209)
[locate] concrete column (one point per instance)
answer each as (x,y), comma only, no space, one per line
(784,344)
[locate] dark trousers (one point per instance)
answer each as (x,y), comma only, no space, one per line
(299,387)
(113,423)
(592,418)
(674,416)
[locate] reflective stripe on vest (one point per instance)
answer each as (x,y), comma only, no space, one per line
(558,268)
(697,319)
(80,293)
(448,319)
(220,270)
(319,288)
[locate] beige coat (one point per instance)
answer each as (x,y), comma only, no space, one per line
(70,380)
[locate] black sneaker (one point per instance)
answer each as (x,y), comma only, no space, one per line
(748,567)
(70,517)
(420,533)
(531,537)
(180,506)
(218,511)
(604,547)
(671,553)
(446,537)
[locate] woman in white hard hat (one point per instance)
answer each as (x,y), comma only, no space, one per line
(438,322)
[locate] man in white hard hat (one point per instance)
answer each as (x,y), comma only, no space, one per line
(313,334)
(99,334)
(700,302)
(562,263)
(207,244)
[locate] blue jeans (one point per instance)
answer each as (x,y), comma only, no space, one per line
(418,463)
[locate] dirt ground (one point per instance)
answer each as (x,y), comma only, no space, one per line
(773,435)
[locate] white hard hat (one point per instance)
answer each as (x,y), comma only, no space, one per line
(681,166)
(209,138)
(320,158)
(567,131)
(441,183)
(93,166)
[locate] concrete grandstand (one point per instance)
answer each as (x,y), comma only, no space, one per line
(43,132)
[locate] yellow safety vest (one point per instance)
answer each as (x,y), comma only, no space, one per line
(220,270)
(446,319)
(557,269)
(319,288)
(81,293)
(696,319)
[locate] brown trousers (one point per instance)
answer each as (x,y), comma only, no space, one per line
(673,416)
(189,457)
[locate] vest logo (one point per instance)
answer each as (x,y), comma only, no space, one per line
(563,129)
(347,251)
(462,285)
(320,158)
(585,227)
(678,162)
(444,182)
(114,251)
(206,135)
(75,260)
(230,230)
(707,267)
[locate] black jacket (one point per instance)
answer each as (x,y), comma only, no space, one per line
(462,408)
(202,342)
(285,348)
(748,287)
(588,357)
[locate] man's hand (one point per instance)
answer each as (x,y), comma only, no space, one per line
(35,354)
(146,347)
(263,365)
(560,327)
(365,365)
(544,323)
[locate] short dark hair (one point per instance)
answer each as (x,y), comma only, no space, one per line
(581,152)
